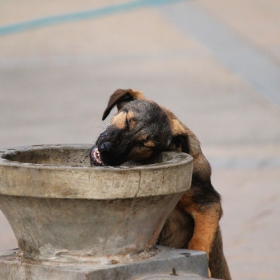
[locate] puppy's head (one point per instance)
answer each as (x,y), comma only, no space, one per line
(139,130)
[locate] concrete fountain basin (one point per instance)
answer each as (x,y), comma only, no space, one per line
(58,205)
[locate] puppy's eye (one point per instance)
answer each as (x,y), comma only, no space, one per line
(141,144)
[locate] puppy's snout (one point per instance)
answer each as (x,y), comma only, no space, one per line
(105,147)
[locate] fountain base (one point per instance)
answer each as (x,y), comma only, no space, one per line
(165,264)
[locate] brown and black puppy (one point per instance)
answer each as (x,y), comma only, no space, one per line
(141,129)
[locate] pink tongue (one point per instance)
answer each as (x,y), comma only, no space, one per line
(92,152)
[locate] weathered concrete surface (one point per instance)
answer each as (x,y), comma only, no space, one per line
(186,264)
(58,204)
(55,83)
(64,171)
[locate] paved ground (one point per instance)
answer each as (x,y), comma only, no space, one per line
(216,64)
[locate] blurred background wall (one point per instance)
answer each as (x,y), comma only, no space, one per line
(215,64)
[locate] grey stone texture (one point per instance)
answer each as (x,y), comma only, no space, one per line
(57,204)
(185,264)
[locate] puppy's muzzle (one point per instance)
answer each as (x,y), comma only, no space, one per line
(110,148)
(104,148)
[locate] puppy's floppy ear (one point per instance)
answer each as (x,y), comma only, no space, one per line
(119,97)
(182,141)
(180,135)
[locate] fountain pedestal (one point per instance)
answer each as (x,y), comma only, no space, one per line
(70,219)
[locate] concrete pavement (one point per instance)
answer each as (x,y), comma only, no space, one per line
(55,83)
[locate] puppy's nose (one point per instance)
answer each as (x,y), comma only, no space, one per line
(106,146)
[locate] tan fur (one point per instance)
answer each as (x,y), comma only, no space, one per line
(119,120)
(131,120)
(178,128)
(191,225)
(149,143)
(206,223)
(206,219)
(140,153)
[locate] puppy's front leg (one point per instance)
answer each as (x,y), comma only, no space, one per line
(206,221)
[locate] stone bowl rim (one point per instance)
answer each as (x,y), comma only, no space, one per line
(73,182)
(179,159)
